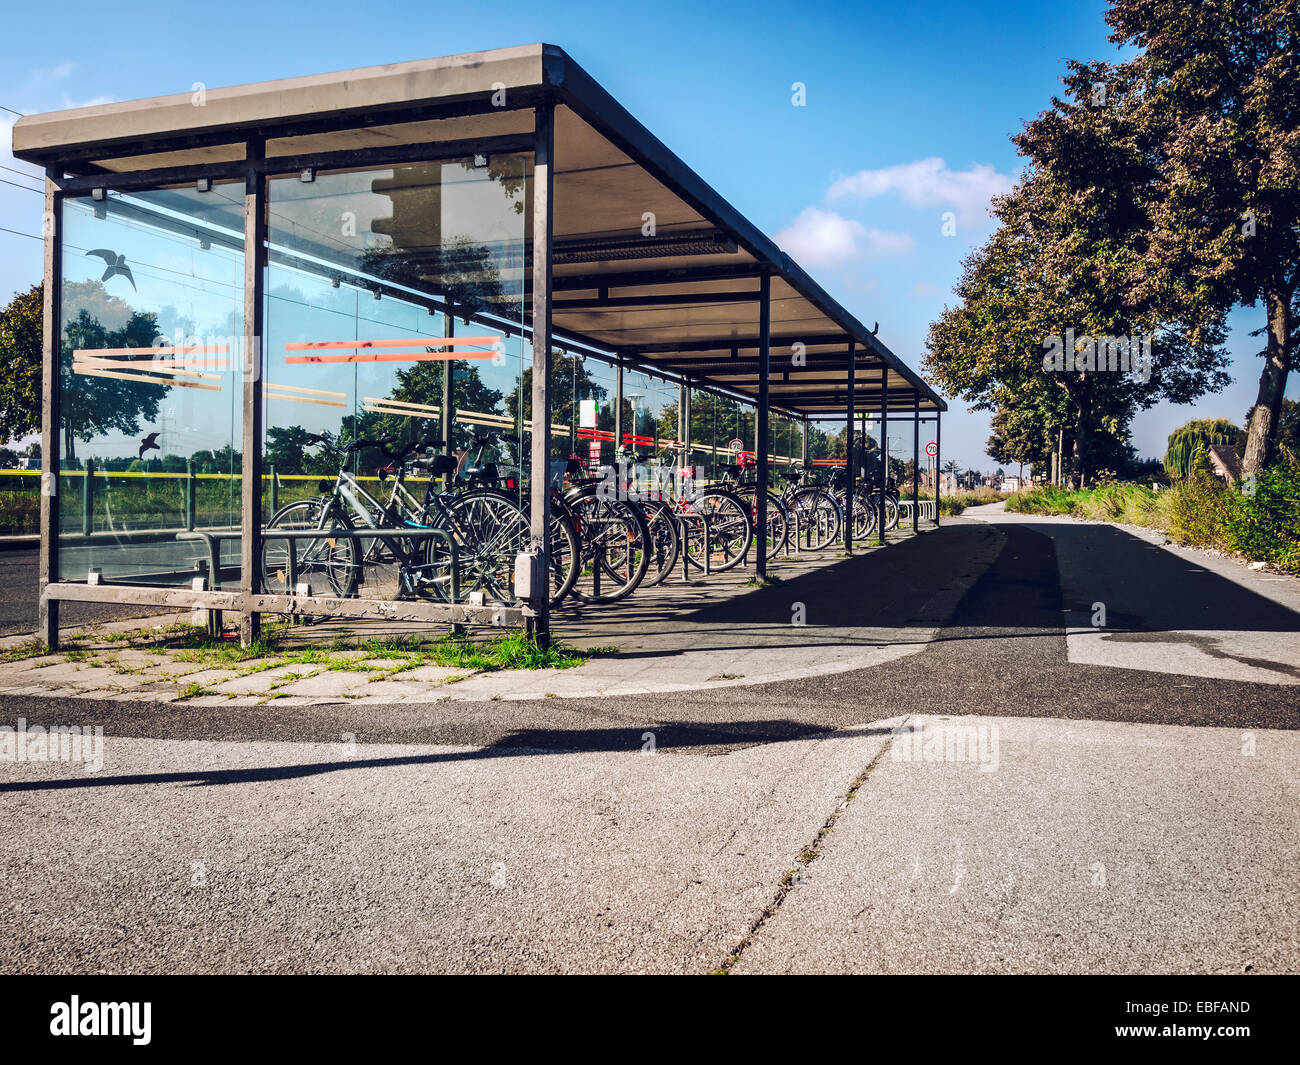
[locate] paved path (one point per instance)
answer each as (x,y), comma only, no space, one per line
(1107,816)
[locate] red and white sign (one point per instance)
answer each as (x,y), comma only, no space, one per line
(737,445)
(932,449)
(593,450)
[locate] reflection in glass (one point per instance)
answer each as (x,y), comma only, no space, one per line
(149,432)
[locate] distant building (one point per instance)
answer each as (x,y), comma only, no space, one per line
(1225,462)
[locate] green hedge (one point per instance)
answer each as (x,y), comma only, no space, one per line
(1259,522)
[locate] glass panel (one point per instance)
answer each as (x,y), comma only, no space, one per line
(150,433)
(650,420)
(362,264)
(595,385)
(716,422)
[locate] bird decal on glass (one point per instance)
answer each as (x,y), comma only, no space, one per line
(116,265)
(149,443)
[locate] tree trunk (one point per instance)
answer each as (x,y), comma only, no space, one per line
(1272,384)
(1079,446)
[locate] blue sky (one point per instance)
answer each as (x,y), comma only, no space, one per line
(909,108)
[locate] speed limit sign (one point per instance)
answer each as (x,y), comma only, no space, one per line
(932,449)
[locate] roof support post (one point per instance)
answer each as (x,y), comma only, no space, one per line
(250,488)
(938,419)
(448,387)
(618,409)
(851,417)
(684,422)
(538,625)
(884,451)
(916,457)
(760,429)
(803,442)
(48,562)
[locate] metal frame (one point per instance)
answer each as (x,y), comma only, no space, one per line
(562,82)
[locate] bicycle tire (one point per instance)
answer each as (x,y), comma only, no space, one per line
(731,530)
(612,532)
(820,517)
(665,545)
(334,561)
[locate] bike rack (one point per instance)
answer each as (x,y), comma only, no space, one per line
(703,519)
(213,540)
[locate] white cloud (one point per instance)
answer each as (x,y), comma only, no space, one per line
(927,183)
(824,238)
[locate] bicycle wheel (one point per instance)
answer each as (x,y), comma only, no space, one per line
(731,532)
(566,556)
(778,524)
(818,515)
(864,515)
(491,531)
(615,540)
(327,564)
(664,544)
(891,513)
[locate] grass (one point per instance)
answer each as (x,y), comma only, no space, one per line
(1259,524)
(383,658)
(952,505)
(32,648)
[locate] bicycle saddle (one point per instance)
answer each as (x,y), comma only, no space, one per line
(437,465)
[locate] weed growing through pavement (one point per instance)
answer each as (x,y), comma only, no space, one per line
(380,657)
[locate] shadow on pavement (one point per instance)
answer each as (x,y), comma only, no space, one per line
(678,736)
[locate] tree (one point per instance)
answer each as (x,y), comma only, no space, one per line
(422,383)
(91,406)
(1199,433)
(570,384)
(20,365)
(1051,320)
(1287,436)
(1219,88)
(287,448)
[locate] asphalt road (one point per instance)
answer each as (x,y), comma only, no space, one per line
(1138,819)
(18,596)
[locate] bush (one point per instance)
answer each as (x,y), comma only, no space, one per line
(1200,511)
(1265,525)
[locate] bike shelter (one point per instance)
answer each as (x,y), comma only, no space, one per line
(476,242)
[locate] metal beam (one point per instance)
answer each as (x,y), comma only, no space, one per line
(250,544)
(849,468)
(727,343)
(760,424)
(672,299)
(642,278)
(916,459)
(539,486)
(305,606)
(83,155)
(47,629)
(884,451)
(346,159)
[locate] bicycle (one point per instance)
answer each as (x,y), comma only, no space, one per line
(564,547)
(487,528)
